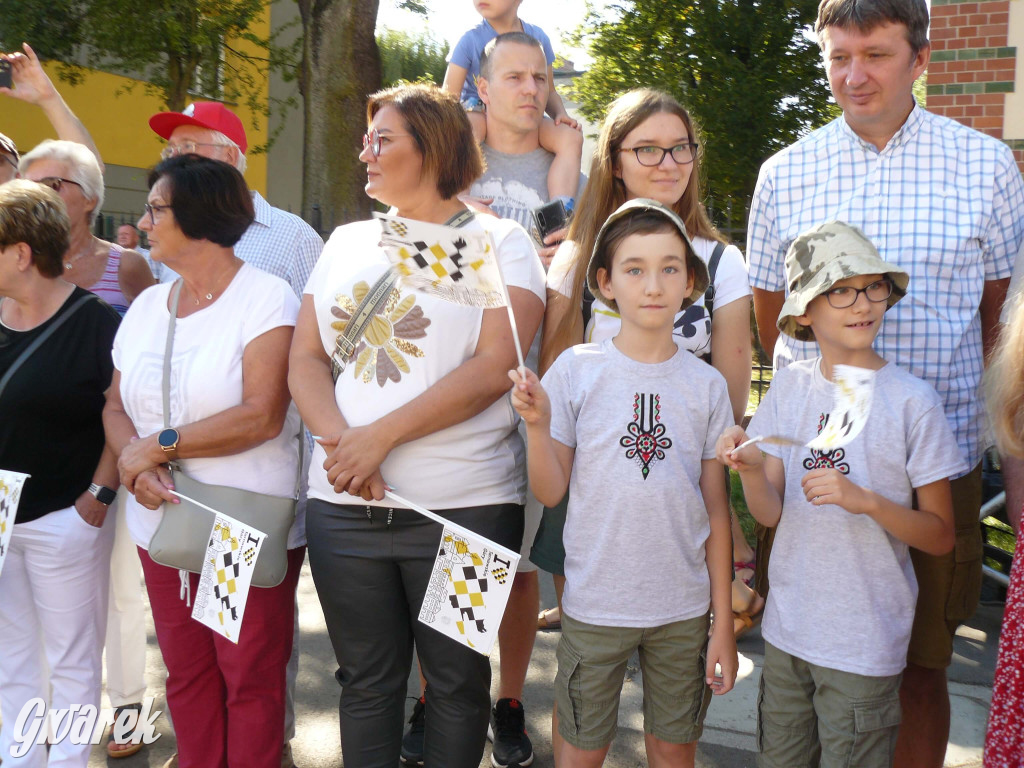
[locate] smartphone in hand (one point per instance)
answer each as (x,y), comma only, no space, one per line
(549,218)
(5,74)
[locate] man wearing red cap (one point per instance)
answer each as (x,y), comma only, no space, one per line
(278,242)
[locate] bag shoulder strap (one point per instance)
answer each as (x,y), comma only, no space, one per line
(168,348)
(42,337)
(709,294)
(345,345)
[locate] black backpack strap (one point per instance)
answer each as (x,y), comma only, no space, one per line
(588,309)
(709,294)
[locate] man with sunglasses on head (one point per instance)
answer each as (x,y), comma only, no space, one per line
(943,202)
(277,242)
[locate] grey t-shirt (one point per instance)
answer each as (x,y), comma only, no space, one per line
(518,183)
(843,589)
(636,526)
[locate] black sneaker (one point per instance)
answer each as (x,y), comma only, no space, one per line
(512,747)
(412,741)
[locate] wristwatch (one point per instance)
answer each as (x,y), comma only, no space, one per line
(168,440)
(103,494)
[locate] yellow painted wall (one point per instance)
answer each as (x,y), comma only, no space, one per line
(119,122)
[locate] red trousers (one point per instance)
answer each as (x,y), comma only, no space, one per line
(226,700)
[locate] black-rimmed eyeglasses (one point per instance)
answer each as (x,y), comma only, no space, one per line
(651,156)
(153,210)
(846,296)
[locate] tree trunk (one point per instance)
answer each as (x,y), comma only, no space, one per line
(341,67)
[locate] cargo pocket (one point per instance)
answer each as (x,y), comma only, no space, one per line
(568,689)
(876,725)
(965,587)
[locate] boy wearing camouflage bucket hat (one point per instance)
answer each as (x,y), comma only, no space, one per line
(628,426)
(832,666)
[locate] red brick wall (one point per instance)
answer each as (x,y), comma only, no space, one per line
(972,65)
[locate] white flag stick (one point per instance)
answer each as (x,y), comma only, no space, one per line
(508,306)
(448,523)
(183,497)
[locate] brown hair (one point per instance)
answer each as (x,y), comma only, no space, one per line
(441,130)
(605,192)
(1004,383)
(866,15)
(35,215)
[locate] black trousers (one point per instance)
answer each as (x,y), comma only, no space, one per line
(371,576)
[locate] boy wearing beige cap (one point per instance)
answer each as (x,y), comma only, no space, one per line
(629,426)
(835,647)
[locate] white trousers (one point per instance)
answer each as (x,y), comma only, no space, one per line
(53,613)
(126,616)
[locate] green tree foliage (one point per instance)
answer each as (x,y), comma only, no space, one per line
(411,58)
(180,49)
(748,70)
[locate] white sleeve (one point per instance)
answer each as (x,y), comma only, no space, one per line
(562,271)
(271,304)
(520,264)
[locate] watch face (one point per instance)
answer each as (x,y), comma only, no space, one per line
(168,438)
(106,495)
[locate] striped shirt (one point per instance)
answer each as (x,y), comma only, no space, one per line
(280,243)
(943,201)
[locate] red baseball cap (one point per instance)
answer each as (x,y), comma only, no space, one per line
(205,114)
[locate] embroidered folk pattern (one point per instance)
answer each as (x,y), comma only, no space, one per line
(646,442)
(383,351)
(827,459)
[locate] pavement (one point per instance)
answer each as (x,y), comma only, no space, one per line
(728,740)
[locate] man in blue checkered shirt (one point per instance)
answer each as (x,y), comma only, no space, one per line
(945,203)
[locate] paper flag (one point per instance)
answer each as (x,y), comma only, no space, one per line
(11,484)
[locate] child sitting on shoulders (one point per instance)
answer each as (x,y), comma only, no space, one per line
(835,646)
(559,133)
(629,424)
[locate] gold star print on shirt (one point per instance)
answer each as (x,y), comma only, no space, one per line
(385,345)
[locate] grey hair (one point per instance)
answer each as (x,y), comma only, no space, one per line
(81,163)
(224,141)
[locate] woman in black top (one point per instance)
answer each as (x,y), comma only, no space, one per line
(53,582)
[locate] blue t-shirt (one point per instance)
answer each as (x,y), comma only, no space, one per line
(470,47)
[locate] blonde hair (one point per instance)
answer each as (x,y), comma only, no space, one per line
(1004,383)
(605,192)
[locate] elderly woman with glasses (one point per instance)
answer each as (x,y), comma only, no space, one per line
(53,586)
(113,273)
(230,424)
(422,405)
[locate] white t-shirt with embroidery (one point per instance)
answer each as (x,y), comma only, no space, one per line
(636,527)
(692,330)
(415,341)
(206,378)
